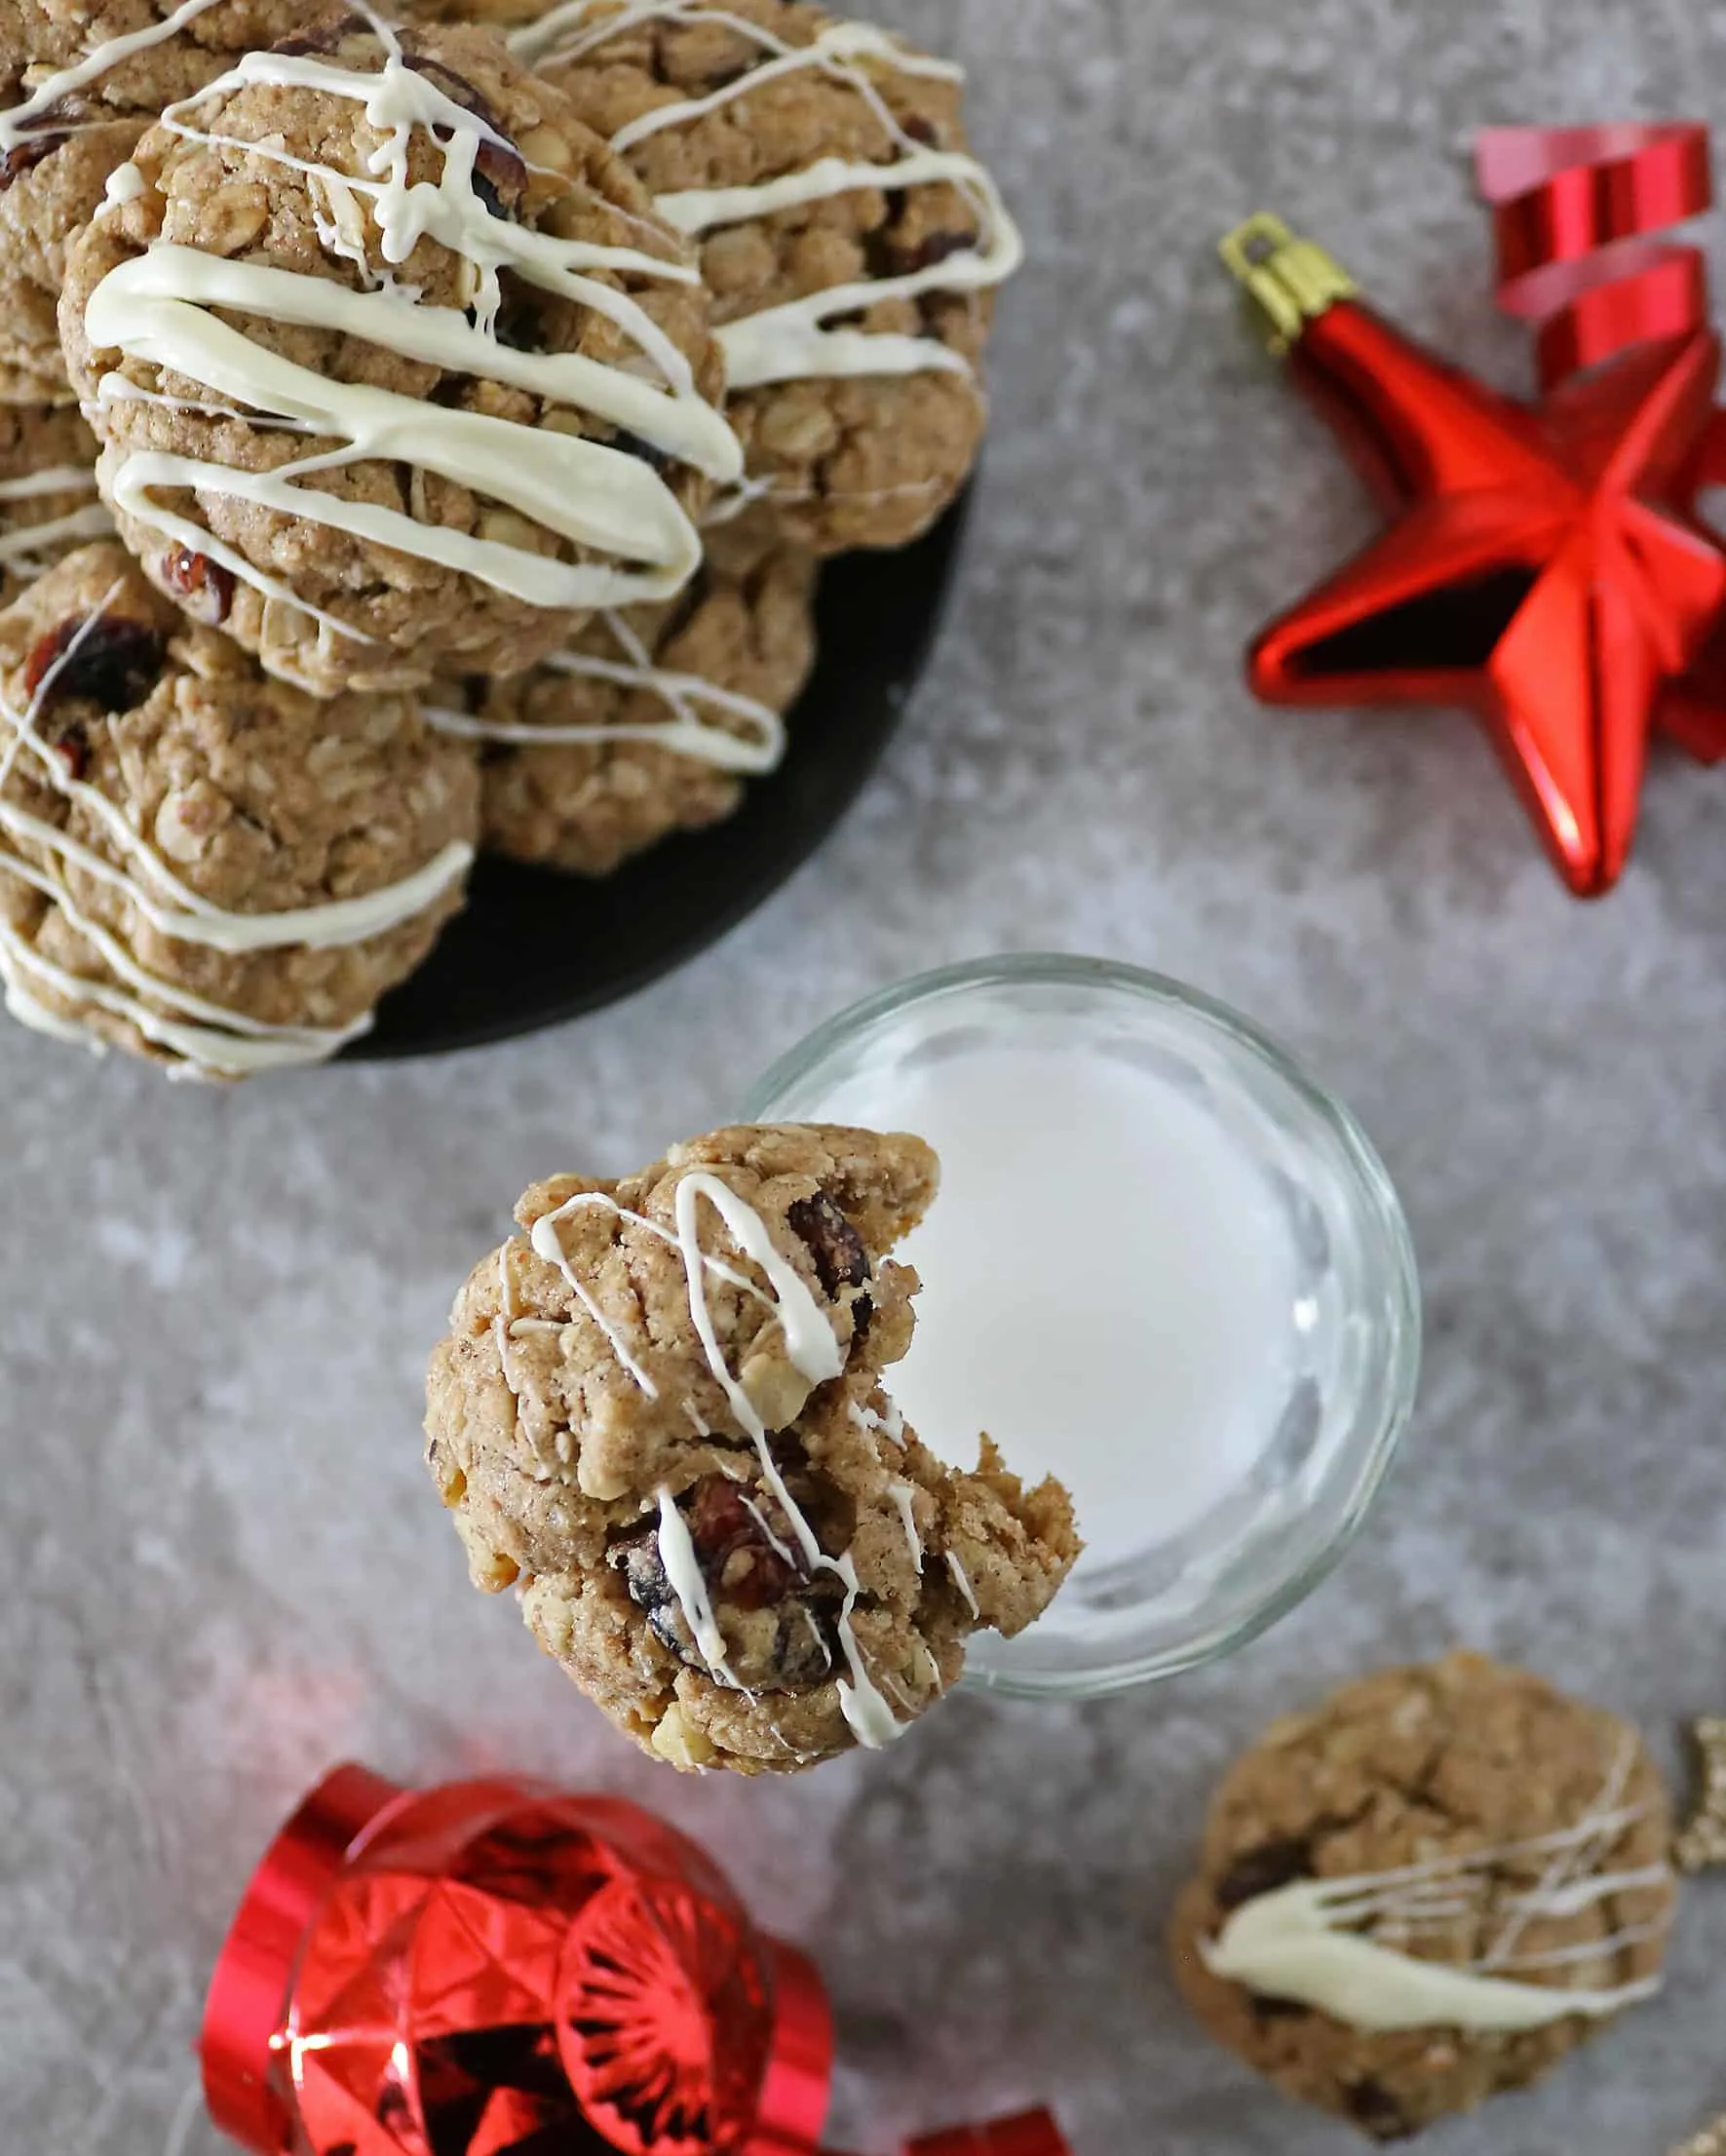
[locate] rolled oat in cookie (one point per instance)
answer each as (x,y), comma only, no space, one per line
(851,241)
(1428,1892)
(80,81)
(198,863)
(48,504)
(376,326)
(659,1415)
(650,722)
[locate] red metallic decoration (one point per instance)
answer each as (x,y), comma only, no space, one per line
(1549,567)
(493,1969)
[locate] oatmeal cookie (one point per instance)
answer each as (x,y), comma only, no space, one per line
(1428,1892)
(651,719)
(197,862)
(377,326)
(80,81)
(850,240)
(659,1413)
(49,506)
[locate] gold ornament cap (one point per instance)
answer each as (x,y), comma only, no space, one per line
(1289,281)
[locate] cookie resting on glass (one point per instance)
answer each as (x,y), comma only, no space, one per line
(851,241)
(659,1415)
(377,327)
(198,863)
(1428,1892)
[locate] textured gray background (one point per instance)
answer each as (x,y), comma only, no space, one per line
(220,1565)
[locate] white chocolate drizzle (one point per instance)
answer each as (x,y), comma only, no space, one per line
(165,308)
(206,1037)
(684,1576)
(805,337)
(508,1311)
(755,750)
(1336,1944)
(903,1497)
(27,549)
(962,1581)
(814,1353)
(888,1422)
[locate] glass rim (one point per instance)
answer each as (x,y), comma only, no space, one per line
(1382,1208)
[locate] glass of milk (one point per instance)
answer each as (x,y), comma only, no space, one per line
(1165,1266)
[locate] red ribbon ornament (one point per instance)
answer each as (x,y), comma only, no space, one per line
(1572,211)
(496,1969)
(1550,568)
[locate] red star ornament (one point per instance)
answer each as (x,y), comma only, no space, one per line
(1547,568)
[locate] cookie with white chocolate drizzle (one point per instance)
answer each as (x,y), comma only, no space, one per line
(80,81)
(374,326)
(48,504)
(659,1415)
(851,241)
(652,720)
(1428,1892)
(196,862)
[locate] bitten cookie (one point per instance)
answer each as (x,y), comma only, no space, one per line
(80,81)
(378,328)
(1428,1892)
(850,239)
(197,862)
(659,1415)
(48,504)
(648,722)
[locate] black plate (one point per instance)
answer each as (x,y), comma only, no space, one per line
(534,947)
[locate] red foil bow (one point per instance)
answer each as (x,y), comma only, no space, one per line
(1549,566)
(494,1969)
(1572,209)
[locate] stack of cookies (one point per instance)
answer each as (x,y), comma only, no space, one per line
(422,436)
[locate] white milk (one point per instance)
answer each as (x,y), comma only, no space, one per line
(1109,1282)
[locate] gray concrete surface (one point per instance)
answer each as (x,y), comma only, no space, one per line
(219,1566)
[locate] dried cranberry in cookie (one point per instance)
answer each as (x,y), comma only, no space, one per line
(850,239)
(196,862)
(376,327)
(80,81)
(1428,1892)
(660,1413)
(649,721)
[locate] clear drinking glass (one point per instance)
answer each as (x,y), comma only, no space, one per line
(1353,1345)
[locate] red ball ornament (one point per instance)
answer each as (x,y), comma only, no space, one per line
(1549,567)
(494,1969)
